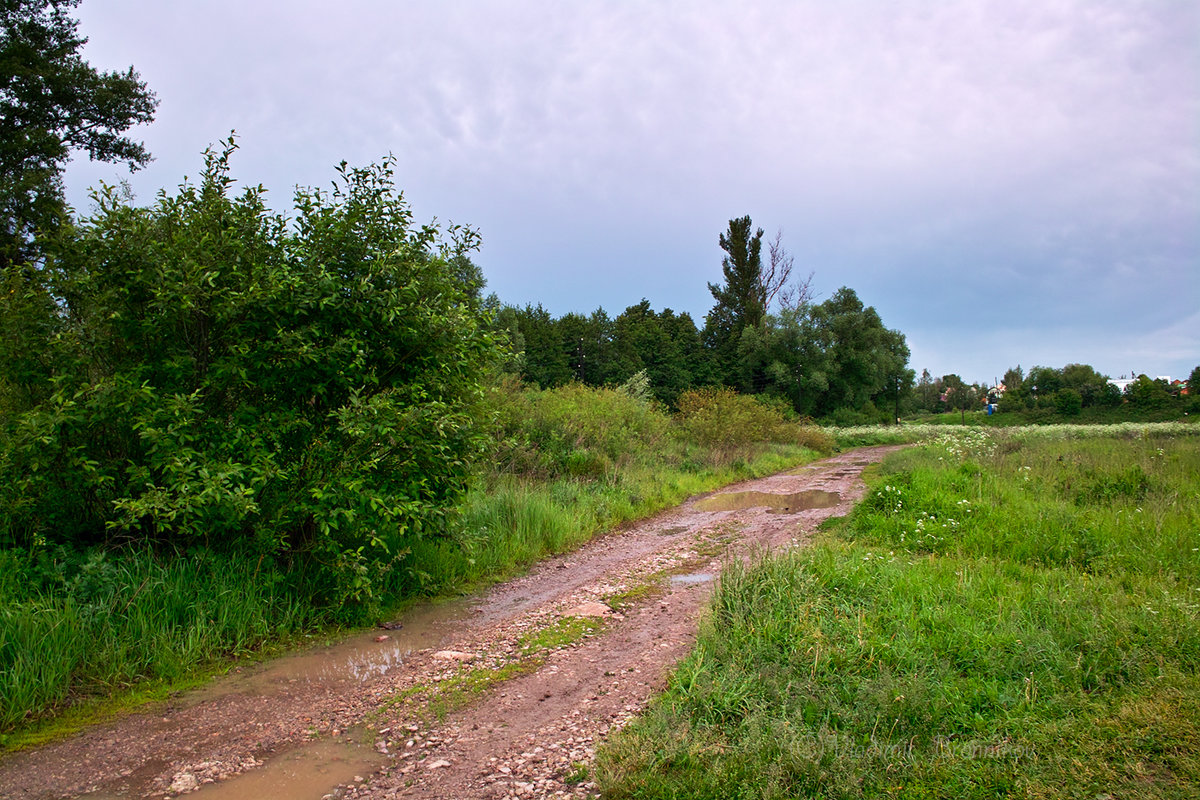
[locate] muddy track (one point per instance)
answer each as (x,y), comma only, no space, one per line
(505,694)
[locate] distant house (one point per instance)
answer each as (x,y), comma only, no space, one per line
(1121,383)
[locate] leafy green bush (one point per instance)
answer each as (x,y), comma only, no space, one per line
(574,430)
(1068,402)
(722,417)
(726,422)
(207,372)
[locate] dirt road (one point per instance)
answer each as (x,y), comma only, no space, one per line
(502,695)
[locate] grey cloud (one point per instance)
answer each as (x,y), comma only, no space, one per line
(977,166)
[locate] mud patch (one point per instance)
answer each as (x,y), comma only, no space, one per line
(775,503)
(308,772)
(353,661)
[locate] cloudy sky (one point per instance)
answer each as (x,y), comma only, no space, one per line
(1009,182)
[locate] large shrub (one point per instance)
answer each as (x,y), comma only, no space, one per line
(722,419)
(206,371)
(574,429)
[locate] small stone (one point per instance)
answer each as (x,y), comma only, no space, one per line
(591,608)
(439,764)
(453,655)
(184,782)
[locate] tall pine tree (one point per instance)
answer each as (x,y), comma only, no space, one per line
(740,300)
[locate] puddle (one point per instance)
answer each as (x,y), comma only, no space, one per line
(776,503)
(308,772)
(314,769)
(352,660)
(695,577)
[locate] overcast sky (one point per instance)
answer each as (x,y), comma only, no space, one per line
(1010,182)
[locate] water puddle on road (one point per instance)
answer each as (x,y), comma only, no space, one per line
(775,503)
(314,769)
(353,660)
(694,577)
(308,772)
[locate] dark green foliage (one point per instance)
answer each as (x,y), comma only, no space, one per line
(206,372)
(666,346)
(587,344)
(1092,387)
(860,360)
(546,362)
(53,102)
(1068,402)
(741,301)
(833,358)
(1043,382)
(927,392)
(1148,394)
(1099,400)
(599,351)
(1043,385)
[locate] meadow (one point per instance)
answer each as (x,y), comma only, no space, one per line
(1008,613)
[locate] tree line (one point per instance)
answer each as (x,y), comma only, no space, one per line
(764,336)
(1066,391)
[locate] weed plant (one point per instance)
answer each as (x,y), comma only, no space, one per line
(999,617)
(911,433)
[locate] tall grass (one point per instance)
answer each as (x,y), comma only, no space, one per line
(112,622)
(997,618)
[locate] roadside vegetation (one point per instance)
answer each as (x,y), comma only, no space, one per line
(1004,614)
(77,625)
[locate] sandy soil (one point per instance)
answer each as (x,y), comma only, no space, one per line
(467,700)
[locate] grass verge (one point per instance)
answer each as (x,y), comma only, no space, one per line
(999,617)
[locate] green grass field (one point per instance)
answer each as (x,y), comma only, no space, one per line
(1004,615)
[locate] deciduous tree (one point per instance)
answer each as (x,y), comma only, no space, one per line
(51,103)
